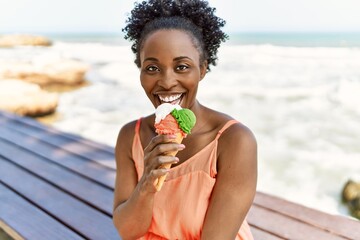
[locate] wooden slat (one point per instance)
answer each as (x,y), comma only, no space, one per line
(77,215)
(262,235)
(22,217)
(33,123)
(89,169)
(284,227)
(100,154)
(337,225)
(83,188)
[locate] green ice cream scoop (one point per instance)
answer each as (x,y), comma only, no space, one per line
(185,118)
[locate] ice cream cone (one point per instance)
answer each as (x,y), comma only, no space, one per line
(172,119)
(160,181)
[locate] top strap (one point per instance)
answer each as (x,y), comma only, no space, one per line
(137,126)
(226,126)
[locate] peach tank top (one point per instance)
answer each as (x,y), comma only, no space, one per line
(180,207)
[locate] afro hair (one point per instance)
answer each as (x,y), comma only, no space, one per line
(206,25)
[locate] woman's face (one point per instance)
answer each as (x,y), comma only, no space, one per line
(170,68)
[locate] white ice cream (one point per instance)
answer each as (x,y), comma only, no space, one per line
(163,110)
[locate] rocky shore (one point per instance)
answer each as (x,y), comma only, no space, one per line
(23,40)
(24,83)
(60,71)
(25,98)
(351,197)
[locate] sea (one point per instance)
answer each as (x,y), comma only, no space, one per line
(298,92)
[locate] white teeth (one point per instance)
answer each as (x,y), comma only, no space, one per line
(170,98)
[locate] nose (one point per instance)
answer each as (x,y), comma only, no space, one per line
(168,79)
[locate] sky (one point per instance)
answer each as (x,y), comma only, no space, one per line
(86,16)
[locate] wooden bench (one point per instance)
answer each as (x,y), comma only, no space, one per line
(56,185)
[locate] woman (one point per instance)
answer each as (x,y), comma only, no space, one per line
(212,182)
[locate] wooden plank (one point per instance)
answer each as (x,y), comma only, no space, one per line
(36,124)
(285,227)
(74,213)
(76,185)
(78,146)
(338,225)
(25,221)
(89,169)
(262,235)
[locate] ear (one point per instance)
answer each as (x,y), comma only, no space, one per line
(203,69)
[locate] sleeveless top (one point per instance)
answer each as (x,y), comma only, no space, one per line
(180,207)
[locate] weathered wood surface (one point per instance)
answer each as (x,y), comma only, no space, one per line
(56,185)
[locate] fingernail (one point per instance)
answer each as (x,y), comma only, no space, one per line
(181,146)
(172,136)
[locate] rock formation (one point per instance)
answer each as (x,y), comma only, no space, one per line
(351,196)
(23,40)
(27,99)
(62,71)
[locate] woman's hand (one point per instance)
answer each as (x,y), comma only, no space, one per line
(155,155)
(133,199)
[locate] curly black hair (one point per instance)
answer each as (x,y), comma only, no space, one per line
(195,17)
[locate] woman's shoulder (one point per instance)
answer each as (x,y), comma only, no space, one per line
(126,134)
(219,120)
(240,132)
(235,134)
(130,127)
(128,130)
(237,146)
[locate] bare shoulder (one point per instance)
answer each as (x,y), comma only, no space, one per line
(128,128)
(125,138)
(237,134)
(238,143)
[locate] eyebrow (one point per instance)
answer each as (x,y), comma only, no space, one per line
(151,59)
(175,59)
(181,58)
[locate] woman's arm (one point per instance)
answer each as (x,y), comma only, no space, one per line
(132,206)
(235,186)
(133,200)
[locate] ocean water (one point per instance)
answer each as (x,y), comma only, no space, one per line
(298,39)
(298,93)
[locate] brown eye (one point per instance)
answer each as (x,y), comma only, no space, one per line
(152,69)
(181,67)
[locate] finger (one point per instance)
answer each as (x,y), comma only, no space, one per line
(155,175)
(164,160)
(165,149)
(149,180)
(158,162)
(152,159)
(159,139)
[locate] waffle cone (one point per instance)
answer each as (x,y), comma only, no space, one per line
(160,181)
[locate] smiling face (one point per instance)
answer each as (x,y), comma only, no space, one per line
(170,68)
